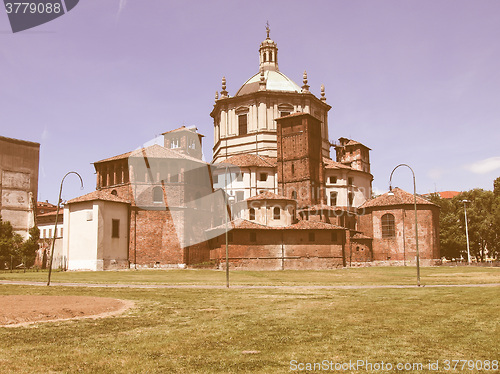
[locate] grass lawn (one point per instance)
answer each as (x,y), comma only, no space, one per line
(259,330)
(349,276)
(264,330)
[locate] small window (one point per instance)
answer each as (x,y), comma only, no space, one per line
(351,198)
(294,195)
(335,236)
(44,233)
(293,169)
(114,192)
(350,181)
(157,195)
(276,212)
(284,114)
(388,226)
(174,143)
(253,236)
(312,237)
(192,144)
(215,178)
(239,178)
(242,124)
(251,214)
(115,228)
(332,180)
(263,177)
(333,198)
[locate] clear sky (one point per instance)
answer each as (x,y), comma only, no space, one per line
(417,81)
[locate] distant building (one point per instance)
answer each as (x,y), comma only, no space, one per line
(46,219)
(19,161)
(444,194)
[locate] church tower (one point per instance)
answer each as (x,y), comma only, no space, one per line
(246,122)
(300,162)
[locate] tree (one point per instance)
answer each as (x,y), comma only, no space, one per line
(15,251)
(30,246)
(451,235)
(483,219)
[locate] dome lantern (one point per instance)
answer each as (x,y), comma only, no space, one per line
(268,53)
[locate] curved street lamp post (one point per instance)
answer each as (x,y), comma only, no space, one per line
(57,217)
(416,220)
(466,229)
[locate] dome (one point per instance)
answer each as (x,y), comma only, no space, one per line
(275,81)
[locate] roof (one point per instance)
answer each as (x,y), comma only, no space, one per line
(192,129)
(98,195)
(45,204)
(446,194)
(268,195)
(360,236)
(275,81)
(244,224)
(344,142)
(19,141)
(330,164)
(51,213)
(400,197)
(248,159)
(153,151)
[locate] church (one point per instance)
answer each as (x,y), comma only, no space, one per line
(272,184)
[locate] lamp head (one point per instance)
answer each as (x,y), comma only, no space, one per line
(390,191)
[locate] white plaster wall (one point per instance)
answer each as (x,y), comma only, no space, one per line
(80,245)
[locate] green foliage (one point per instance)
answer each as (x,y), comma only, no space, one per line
(483,220)
(13,251)
(30,246)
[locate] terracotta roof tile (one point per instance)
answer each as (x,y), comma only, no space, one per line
(244,224)
(184,128)
(360,236)
(98,195)
(330,164)
(400,197)
(153,151)
(445,194)
(247,160)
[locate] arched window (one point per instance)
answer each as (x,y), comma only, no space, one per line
(276,212)
(252,214)
(157,195)
(294,195)
(388,227)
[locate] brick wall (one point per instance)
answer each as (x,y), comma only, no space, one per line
(280,249)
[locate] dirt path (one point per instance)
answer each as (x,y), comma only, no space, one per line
(22,310)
